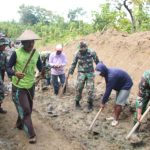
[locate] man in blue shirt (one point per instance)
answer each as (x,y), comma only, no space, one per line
(121,82)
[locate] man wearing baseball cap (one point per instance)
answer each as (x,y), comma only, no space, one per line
(57,61)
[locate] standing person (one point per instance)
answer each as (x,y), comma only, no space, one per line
(57,61)
(118,80)
(23,92)
(45,60)
(84,57)
(9,49)
(3,43)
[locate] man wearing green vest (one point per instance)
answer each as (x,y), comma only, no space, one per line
(23,91)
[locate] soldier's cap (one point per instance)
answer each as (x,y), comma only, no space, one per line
(2,35)
(28,35)
(45,53)
(82,45)
(3,41)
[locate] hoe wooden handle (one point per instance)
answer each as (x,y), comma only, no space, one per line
(137,124)
(92,124)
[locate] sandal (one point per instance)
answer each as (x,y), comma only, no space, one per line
(32,140)
(114,123)
(110,118)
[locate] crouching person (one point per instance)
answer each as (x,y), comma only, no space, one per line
(23,92)
(143,97)
(121,82)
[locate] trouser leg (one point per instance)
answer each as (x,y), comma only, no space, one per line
(55,84)
(62,80)
(23,102)
(79,86)
(90,89)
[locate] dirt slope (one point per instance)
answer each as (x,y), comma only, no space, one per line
(130,52)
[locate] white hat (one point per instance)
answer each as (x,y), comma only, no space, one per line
(59,47)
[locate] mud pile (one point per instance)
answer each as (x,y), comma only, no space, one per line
(130,52)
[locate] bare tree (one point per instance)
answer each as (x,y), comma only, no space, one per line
(131,15)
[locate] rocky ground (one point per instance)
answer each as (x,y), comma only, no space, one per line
(60,126)
(75,123)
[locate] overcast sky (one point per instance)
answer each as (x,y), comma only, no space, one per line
(9,8)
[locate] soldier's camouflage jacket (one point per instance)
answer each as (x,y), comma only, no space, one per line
(85,62)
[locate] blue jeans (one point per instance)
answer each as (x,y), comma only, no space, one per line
(55,82)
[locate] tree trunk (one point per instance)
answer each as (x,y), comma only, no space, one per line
(131,15)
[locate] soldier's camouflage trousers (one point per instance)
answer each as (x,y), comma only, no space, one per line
(82,80)
(144,99)
(1,90)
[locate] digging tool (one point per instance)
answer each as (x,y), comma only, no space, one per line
(38,79)
(93,122)
(138,123)
(26,65)
(64,85)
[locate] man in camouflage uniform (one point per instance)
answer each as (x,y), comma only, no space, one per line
(45,61)
(141,103)
(84,57)
(143,96)
(3,44)
(45,82)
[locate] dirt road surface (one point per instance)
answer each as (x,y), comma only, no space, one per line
(47,138)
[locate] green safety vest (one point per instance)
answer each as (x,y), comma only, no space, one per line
(22,57)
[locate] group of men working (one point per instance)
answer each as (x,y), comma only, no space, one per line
(23,87)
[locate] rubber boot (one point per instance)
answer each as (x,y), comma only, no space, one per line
(78,106)
(90,106)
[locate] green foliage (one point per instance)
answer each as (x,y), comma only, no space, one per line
(54,29)
(105,18)
(74,14)
(33,15)
(113,15)
(142,16)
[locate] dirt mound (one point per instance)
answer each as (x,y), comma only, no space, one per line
(130,52)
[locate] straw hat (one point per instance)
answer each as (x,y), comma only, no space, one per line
(28,35)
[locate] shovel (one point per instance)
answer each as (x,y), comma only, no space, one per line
(93,122)
(137,124)
(64,85)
